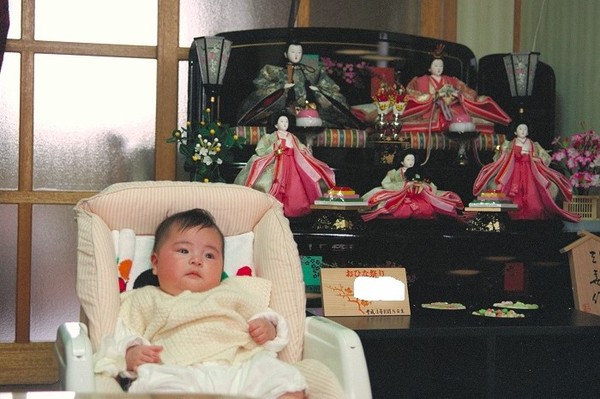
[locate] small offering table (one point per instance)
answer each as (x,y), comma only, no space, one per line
(452,353)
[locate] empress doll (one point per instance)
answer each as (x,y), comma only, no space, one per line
(435,101)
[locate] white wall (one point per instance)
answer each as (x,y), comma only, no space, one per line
(568,42)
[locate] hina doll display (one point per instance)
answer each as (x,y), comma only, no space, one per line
(405,193)
(521,172)
(286,169)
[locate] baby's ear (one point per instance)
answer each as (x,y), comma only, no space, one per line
(154,262)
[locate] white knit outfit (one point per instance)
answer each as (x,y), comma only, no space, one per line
(206,345)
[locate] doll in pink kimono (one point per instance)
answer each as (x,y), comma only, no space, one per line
(521,172)
(286,169)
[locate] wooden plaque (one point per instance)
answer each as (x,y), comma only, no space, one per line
(380,291)
(584,262)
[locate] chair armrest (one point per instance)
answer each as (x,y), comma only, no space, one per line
(74,352)
(340,349)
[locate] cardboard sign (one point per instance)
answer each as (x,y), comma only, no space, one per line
(364,292)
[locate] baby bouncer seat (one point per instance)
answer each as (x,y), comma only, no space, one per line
(329,355)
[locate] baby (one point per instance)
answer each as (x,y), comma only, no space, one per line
(196,333)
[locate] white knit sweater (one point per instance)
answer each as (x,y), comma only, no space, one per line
(198,327)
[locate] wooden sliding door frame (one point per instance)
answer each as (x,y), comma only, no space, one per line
(26,362)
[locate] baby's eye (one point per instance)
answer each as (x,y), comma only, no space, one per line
(183,251)
(210,256)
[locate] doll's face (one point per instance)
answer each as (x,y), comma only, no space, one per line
(282,123)
(522,131)
(294,53)
(437,67)
(408,161)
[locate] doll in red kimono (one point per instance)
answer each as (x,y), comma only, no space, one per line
(521,172)
(435,101)
(286,169)
(406,193)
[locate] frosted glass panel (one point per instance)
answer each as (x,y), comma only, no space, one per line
(53,267)
(206,18)
(8,269)
(14,10)
(9,121)
(94,121)
(93,21)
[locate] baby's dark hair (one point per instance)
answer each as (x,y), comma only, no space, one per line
(184,221)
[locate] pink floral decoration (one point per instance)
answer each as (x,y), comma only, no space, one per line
(351,74)
(579,157)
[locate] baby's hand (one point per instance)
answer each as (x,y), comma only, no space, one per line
(141,354)
(261,331)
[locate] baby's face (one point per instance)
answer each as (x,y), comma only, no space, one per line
(189,259)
